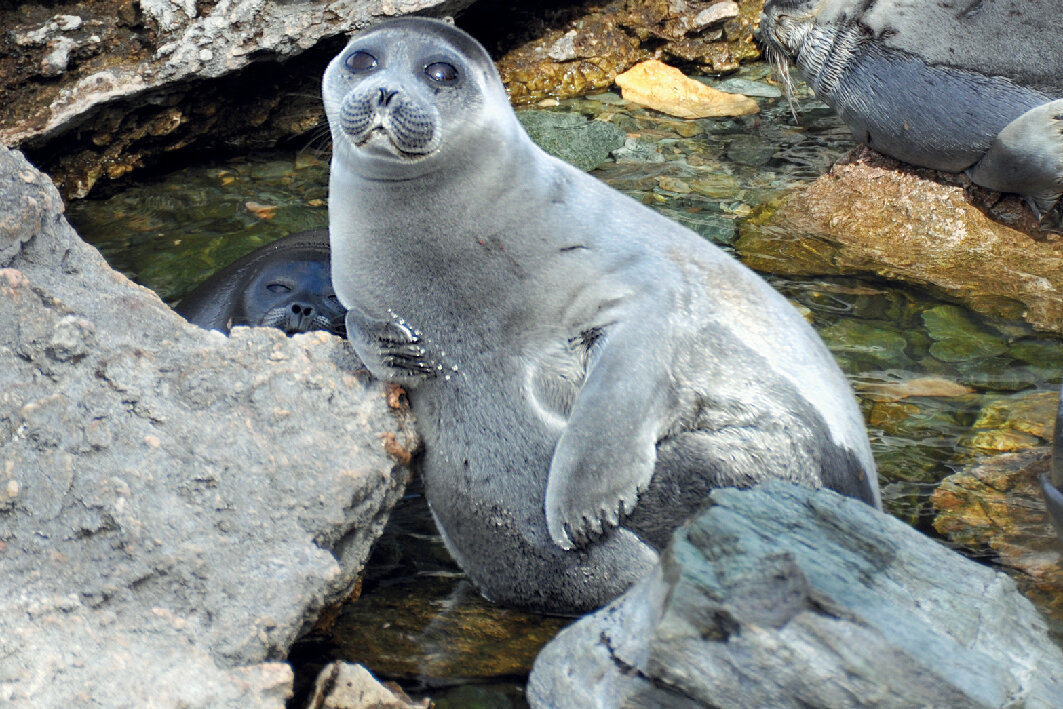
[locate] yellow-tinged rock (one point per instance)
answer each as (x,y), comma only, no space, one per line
(656,85)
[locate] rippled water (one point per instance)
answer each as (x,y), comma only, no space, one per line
(417,620)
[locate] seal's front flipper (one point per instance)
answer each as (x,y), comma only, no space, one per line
(607,452)
(391,349)
(1027,158)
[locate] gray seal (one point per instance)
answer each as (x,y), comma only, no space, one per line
(955,86)
(285,284)
(583,370)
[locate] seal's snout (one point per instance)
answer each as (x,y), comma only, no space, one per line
(410,124)
(301,316)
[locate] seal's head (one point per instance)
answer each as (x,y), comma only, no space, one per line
(294,295)
(406,92)
(784,27)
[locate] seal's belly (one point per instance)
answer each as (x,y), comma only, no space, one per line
(489,438)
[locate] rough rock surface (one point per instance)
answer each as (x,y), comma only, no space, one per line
(663,88)
(783,596)
(994,505)
(123,74)
(579,49)
(581,142)
(175,506)
(871,214)
(342,685)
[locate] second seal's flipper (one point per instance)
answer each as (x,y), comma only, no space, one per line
(1027,158)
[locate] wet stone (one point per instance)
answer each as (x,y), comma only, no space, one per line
(994,505)
(750,150)
(748,88)
(859,341)
(577,140)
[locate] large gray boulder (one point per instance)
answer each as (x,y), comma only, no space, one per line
(176,506)
(781,596)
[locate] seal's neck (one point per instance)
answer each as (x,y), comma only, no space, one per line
(454,199)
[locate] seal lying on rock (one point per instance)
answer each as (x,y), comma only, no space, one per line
(1052,484)
(583,370)
(286,284)
(956,86)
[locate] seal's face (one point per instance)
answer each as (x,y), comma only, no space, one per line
(402,94)
(295,296)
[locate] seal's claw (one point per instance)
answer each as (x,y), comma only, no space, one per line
(390,349)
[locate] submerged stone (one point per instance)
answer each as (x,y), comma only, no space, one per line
(860,341)
(750,150)
(995,504)
(748,88)
(577,140)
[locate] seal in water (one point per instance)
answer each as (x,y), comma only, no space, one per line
(1052,484)
(956,86)
(583,370)
(286,284)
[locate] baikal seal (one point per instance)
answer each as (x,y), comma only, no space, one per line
(971,86)
(286,284)
(583,370)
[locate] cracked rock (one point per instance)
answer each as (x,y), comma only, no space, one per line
(164,535)
(787,597)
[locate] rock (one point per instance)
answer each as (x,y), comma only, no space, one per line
(176,506)
(1032,413)
(871,214)
(715,14)
(748,88)
(344,686)
(783,596)
(994,504)
(663,88)
(124,82)
(573,137)
(914,387)
(585,47)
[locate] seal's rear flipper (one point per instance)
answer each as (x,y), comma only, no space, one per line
(1027,158)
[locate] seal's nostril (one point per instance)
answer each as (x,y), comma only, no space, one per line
(385,96)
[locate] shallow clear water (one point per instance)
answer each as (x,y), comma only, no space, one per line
(417,620)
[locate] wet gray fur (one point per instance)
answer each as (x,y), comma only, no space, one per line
(582,369)
(925,83)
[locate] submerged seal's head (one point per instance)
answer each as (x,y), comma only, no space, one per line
(406,93)
(295,295)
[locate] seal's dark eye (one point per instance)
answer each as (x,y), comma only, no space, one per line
(278,288)
(360,62)
(441,72)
